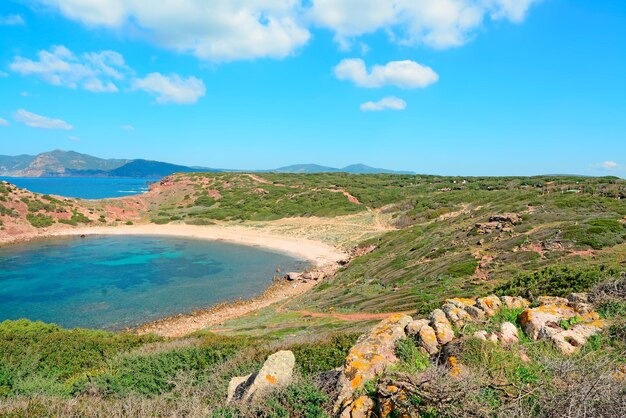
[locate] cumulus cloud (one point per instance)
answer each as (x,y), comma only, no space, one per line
(403,74)
(219,30)
(93,71)
(37,121)
(12,20)
(171,88)
(4,122)
(388,103)
(435,23)
(227,30)
(73,138)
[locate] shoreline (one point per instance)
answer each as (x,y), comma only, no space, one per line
(323,257)
(316,252)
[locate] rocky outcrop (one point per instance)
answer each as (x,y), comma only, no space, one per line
(369,357)
(499,223)
(277,372)
(567,322)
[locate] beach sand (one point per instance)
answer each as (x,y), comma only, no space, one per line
(318,253)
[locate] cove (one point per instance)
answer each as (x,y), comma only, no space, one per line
(115,282)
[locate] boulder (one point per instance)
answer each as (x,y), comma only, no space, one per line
(424,334)
(277,372)
(293,276)
(508,333)
(462,303)
(456,315)
(570,340)
(554,322)
(537,322)
(362,407)
(552,300)
(439,322)
(514,302)
(476,313)
(370,356)
(510,218)
(489,304)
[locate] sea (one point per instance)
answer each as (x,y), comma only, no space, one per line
(115,282)
(83,187)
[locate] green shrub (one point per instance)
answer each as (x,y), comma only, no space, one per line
(597,233)
(324,355)
(39,220)
(555,281)
(38,356)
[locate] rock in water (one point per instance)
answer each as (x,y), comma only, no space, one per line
(277,372)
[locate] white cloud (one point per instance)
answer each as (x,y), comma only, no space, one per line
(171,88)
(4,122)
(219,30)
(127,128)
(609,165)
(3,74)
(37,121)
(388,103)
(435,23)
(73,138)
(93,71)
(12,20)
(404,74)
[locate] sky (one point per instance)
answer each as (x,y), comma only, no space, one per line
(455,87)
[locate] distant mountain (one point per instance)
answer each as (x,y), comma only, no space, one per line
(305,168)
(352,169)
(151,169)
(54,163)
(59,163)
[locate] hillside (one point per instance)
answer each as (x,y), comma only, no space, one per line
(61,163)
(416,242)
(54,163)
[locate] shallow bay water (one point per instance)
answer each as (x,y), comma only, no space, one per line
(114,282)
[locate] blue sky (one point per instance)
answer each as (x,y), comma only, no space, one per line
(467,87)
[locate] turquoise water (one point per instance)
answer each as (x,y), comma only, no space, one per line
(118,282)
(83,187)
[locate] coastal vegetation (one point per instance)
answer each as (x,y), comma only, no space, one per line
(416,241)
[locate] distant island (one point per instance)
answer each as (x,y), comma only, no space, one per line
(60,163)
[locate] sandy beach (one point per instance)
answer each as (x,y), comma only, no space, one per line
(321,255)
(316,252)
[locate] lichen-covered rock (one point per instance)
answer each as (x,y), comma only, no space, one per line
(439,322)
(489,304)
(461,302)
(508,333)
(456,315)
(477,314)
(568,328)
(371,354)
(424,334)
(277,372)
(362,407)
(570,340)
(514,302)
(552,300)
